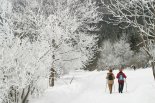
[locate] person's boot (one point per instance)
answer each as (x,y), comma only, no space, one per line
(111,91)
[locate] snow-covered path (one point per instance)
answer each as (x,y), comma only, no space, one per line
(89,87)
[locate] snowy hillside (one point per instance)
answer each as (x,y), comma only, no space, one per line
(90,87)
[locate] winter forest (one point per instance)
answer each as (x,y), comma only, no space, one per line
(59,51)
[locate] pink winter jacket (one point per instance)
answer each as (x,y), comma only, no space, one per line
(124,76)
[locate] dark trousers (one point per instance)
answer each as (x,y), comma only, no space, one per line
(120,88)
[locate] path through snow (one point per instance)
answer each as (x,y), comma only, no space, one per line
(89,87)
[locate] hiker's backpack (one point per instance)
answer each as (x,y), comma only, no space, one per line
(121,77)
(110,77)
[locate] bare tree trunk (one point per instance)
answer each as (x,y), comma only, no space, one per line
(72,80)
(146,49)
(153,63)
(52,76)
(52,80)
(27,94)
(153,69)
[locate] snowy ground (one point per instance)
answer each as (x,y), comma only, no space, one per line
(89,87)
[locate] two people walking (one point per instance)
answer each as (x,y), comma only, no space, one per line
(110,80)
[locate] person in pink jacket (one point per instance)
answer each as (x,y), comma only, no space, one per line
(121,76)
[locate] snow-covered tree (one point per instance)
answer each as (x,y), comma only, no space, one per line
(32,44)
(67,33)
(21,61)
(69,21)
(139,14)
(65,26)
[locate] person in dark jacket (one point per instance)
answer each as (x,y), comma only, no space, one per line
(110,80)
(121,76)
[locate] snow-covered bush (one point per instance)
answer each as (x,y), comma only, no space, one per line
(139,59)
(123,51)
(114,54)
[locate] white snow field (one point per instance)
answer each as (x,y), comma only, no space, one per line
(89,87)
